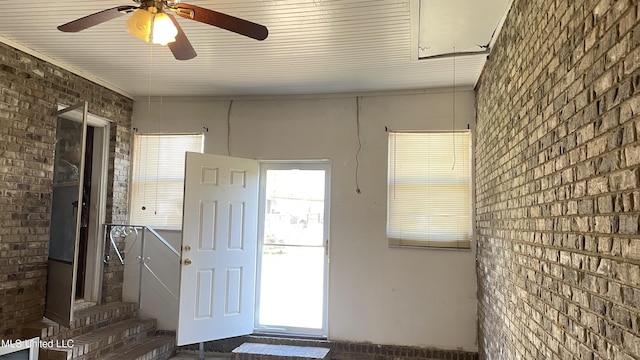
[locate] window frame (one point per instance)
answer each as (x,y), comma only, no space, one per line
(462,242)
(135,172)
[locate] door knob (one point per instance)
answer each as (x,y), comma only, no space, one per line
(187,261)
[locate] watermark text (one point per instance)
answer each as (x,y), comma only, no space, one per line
(42,344)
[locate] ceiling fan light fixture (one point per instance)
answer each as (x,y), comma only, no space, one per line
(139,24)
(164,31)
(149,22)
(151,26)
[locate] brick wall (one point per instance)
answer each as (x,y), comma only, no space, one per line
(30,91)
(557,183)
(117,203)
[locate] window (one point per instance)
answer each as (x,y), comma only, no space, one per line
(158,177)
(429,189)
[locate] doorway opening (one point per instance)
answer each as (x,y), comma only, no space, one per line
(78,209)
(93,214)
(293,248)
(229,203)
(85,210)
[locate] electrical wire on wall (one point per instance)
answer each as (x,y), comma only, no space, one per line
(229,128)
(453,111)
(358,191)
(155,201)
(148,121)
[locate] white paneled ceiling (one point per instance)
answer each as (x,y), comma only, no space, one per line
(314,47)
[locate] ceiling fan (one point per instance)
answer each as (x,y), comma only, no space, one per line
(151,21)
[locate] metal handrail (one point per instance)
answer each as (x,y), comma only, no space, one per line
(144,227)
(160,281)
(142,258)
(162,240)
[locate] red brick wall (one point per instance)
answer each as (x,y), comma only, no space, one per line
(30,91)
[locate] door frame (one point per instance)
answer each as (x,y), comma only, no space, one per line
(62,271)
(98,212)
(98,201)
(320,164)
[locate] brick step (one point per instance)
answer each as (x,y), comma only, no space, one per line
(152,348)
(257,351)
(182,354)
(85,320)
(101,342)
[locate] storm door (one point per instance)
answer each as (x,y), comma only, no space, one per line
(66,208)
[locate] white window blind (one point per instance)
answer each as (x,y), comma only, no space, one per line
(158,177)
(429,189)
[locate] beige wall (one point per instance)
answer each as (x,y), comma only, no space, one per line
(376,293)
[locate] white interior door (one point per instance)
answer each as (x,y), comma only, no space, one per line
(219,241)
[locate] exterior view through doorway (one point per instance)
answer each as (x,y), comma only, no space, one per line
(293,237)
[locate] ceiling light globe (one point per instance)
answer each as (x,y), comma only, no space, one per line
(164,31)
(139,24)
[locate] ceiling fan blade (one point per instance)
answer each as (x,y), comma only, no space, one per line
(181,48)
(224,21)
(97,18)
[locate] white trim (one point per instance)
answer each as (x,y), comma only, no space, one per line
(92,120)
(64,66)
